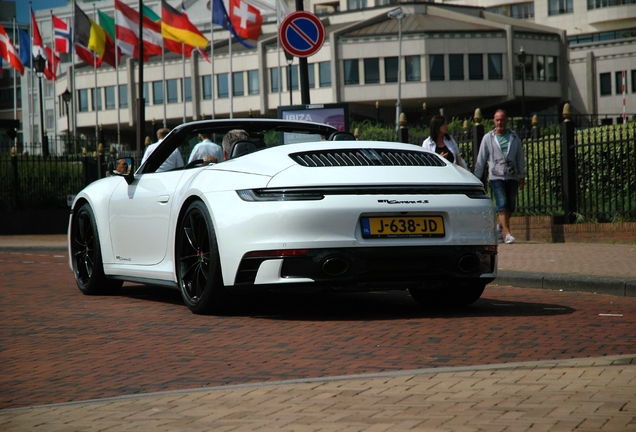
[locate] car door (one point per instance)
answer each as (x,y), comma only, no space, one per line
(140,217)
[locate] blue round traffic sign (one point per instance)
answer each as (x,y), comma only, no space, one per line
(301,34)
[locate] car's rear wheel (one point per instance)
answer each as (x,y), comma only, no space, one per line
(87,255)
(451,294)
(198,263)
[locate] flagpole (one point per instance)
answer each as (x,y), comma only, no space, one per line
(54,79)
(117,82)
(280,94)
(96,88)
(183,81)
(141,104)
(15,94)
(212,55)
(30,82)
(230,83)
(163,78)
(74,93)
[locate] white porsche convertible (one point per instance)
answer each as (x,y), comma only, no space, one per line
(298,206)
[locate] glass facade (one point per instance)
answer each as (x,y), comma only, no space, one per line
(324,74)
(371,70)
(412,68)
(223,85)
(475,67)
(123,95)
(253,84)
(109,95)
(351,72)
(391,69)
(436,66)
(456,67)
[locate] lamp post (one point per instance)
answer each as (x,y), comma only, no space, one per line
(521,57)
(66,97)
(399,15)
(40,64)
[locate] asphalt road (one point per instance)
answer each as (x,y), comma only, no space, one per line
(57,345)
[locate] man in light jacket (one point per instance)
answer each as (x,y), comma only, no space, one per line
(501,149)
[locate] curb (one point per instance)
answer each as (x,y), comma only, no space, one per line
(568,282)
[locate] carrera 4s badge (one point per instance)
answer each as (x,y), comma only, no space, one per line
(386,201)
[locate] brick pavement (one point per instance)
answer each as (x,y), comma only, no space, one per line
(58,346)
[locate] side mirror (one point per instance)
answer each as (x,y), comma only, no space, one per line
(124,167)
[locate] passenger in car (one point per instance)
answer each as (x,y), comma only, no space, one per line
(206,150)
(173,161)
(442,143)
(230,138)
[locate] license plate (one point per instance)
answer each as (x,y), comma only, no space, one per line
(397,226)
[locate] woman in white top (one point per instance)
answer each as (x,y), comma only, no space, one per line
(442,143)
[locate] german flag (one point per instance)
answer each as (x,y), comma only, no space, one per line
(177,27)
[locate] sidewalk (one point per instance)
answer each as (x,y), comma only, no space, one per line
(590,267)
(587,394)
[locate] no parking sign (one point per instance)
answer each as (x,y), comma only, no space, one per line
(301,34)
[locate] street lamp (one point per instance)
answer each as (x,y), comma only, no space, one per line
(399,15)
(40,64)
(66,97)
(521,57)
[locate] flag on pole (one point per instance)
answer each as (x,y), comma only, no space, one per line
(201,51)
(37,47)
(220,17)
(177,27)
(52,65)
(62,35)
(8,51)
(127,31)
(88,33)
(169,44)
(24,47)
(112,54)
(246,19)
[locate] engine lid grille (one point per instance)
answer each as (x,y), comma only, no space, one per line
(365,157)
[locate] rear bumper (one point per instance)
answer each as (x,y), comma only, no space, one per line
(372,266)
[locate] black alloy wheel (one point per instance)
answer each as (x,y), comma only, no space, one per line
(198,263)
(87,257)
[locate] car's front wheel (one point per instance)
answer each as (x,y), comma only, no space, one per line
(449,294)
(87,255)
(197,261)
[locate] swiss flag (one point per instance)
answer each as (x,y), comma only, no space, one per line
(246,19)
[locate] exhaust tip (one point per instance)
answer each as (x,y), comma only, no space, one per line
(468,263)
(335,266)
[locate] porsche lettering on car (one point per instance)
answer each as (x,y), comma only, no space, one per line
(298,206)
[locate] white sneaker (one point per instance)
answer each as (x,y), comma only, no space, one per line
(500,237)
(510,239)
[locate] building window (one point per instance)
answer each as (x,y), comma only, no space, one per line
(96,99)
(109,93)
(540,67)
(356,4)
(412,69)
(207,87)
(633,80)
(556,7)
(605,84)
(324,74)
(618,82)
(223,85)
(274,74)
(456,67)
(371,71)
(253,85)
(495,71)
(187,89)
(522,10)
(527,69)
(327,8)
(50,120)
(173,95)
(475,66)
(292,82)
(597,4)
(238,85)
(552,68)
(123,95)
(146,92)
(310,73)
(157,92)
(351,73)
(436,66)
(391,69)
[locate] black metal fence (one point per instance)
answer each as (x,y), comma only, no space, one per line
(579,174)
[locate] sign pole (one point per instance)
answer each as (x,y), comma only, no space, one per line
(303,69)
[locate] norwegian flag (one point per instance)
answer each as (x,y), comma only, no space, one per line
(63,34)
